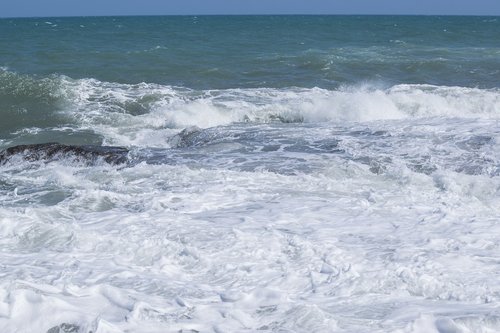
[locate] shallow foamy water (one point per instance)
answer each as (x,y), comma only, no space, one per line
(385,226)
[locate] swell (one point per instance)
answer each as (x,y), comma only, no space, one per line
(27,100)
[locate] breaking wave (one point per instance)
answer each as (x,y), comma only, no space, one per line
(145,113)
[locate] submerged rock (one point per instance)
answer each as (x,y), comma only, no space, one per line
(88,154)
(185,138)
(65,328)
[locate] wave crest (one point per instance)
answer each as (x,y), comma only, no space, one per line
(181,107)
(134,114)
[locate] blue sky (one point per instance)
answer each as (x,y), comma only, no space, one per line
(20,8)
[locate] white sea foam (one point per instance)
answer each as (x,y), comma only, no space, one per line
(360,241)
(145,114)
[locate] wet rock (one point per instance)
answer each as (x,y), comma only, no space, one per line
(65,328)
(88,154)
(185,138)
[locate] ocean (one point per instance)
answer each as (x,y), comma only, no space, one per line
(250,174)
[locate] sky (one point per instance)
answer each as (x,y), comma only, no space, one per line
(49,8)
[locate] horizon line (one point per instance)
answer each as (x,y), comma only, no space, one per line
(268,14)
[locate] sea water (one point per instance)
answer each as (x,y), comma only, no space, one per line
(284,174)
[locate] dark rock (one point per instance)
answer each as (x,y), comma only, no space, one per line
(88,154)
(186,138)
(65,328)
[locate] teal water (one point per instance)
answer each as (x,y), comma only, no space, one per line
(210,52)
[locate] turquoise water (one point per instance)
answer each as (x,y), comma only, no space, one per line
(209,52)
(278,174)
